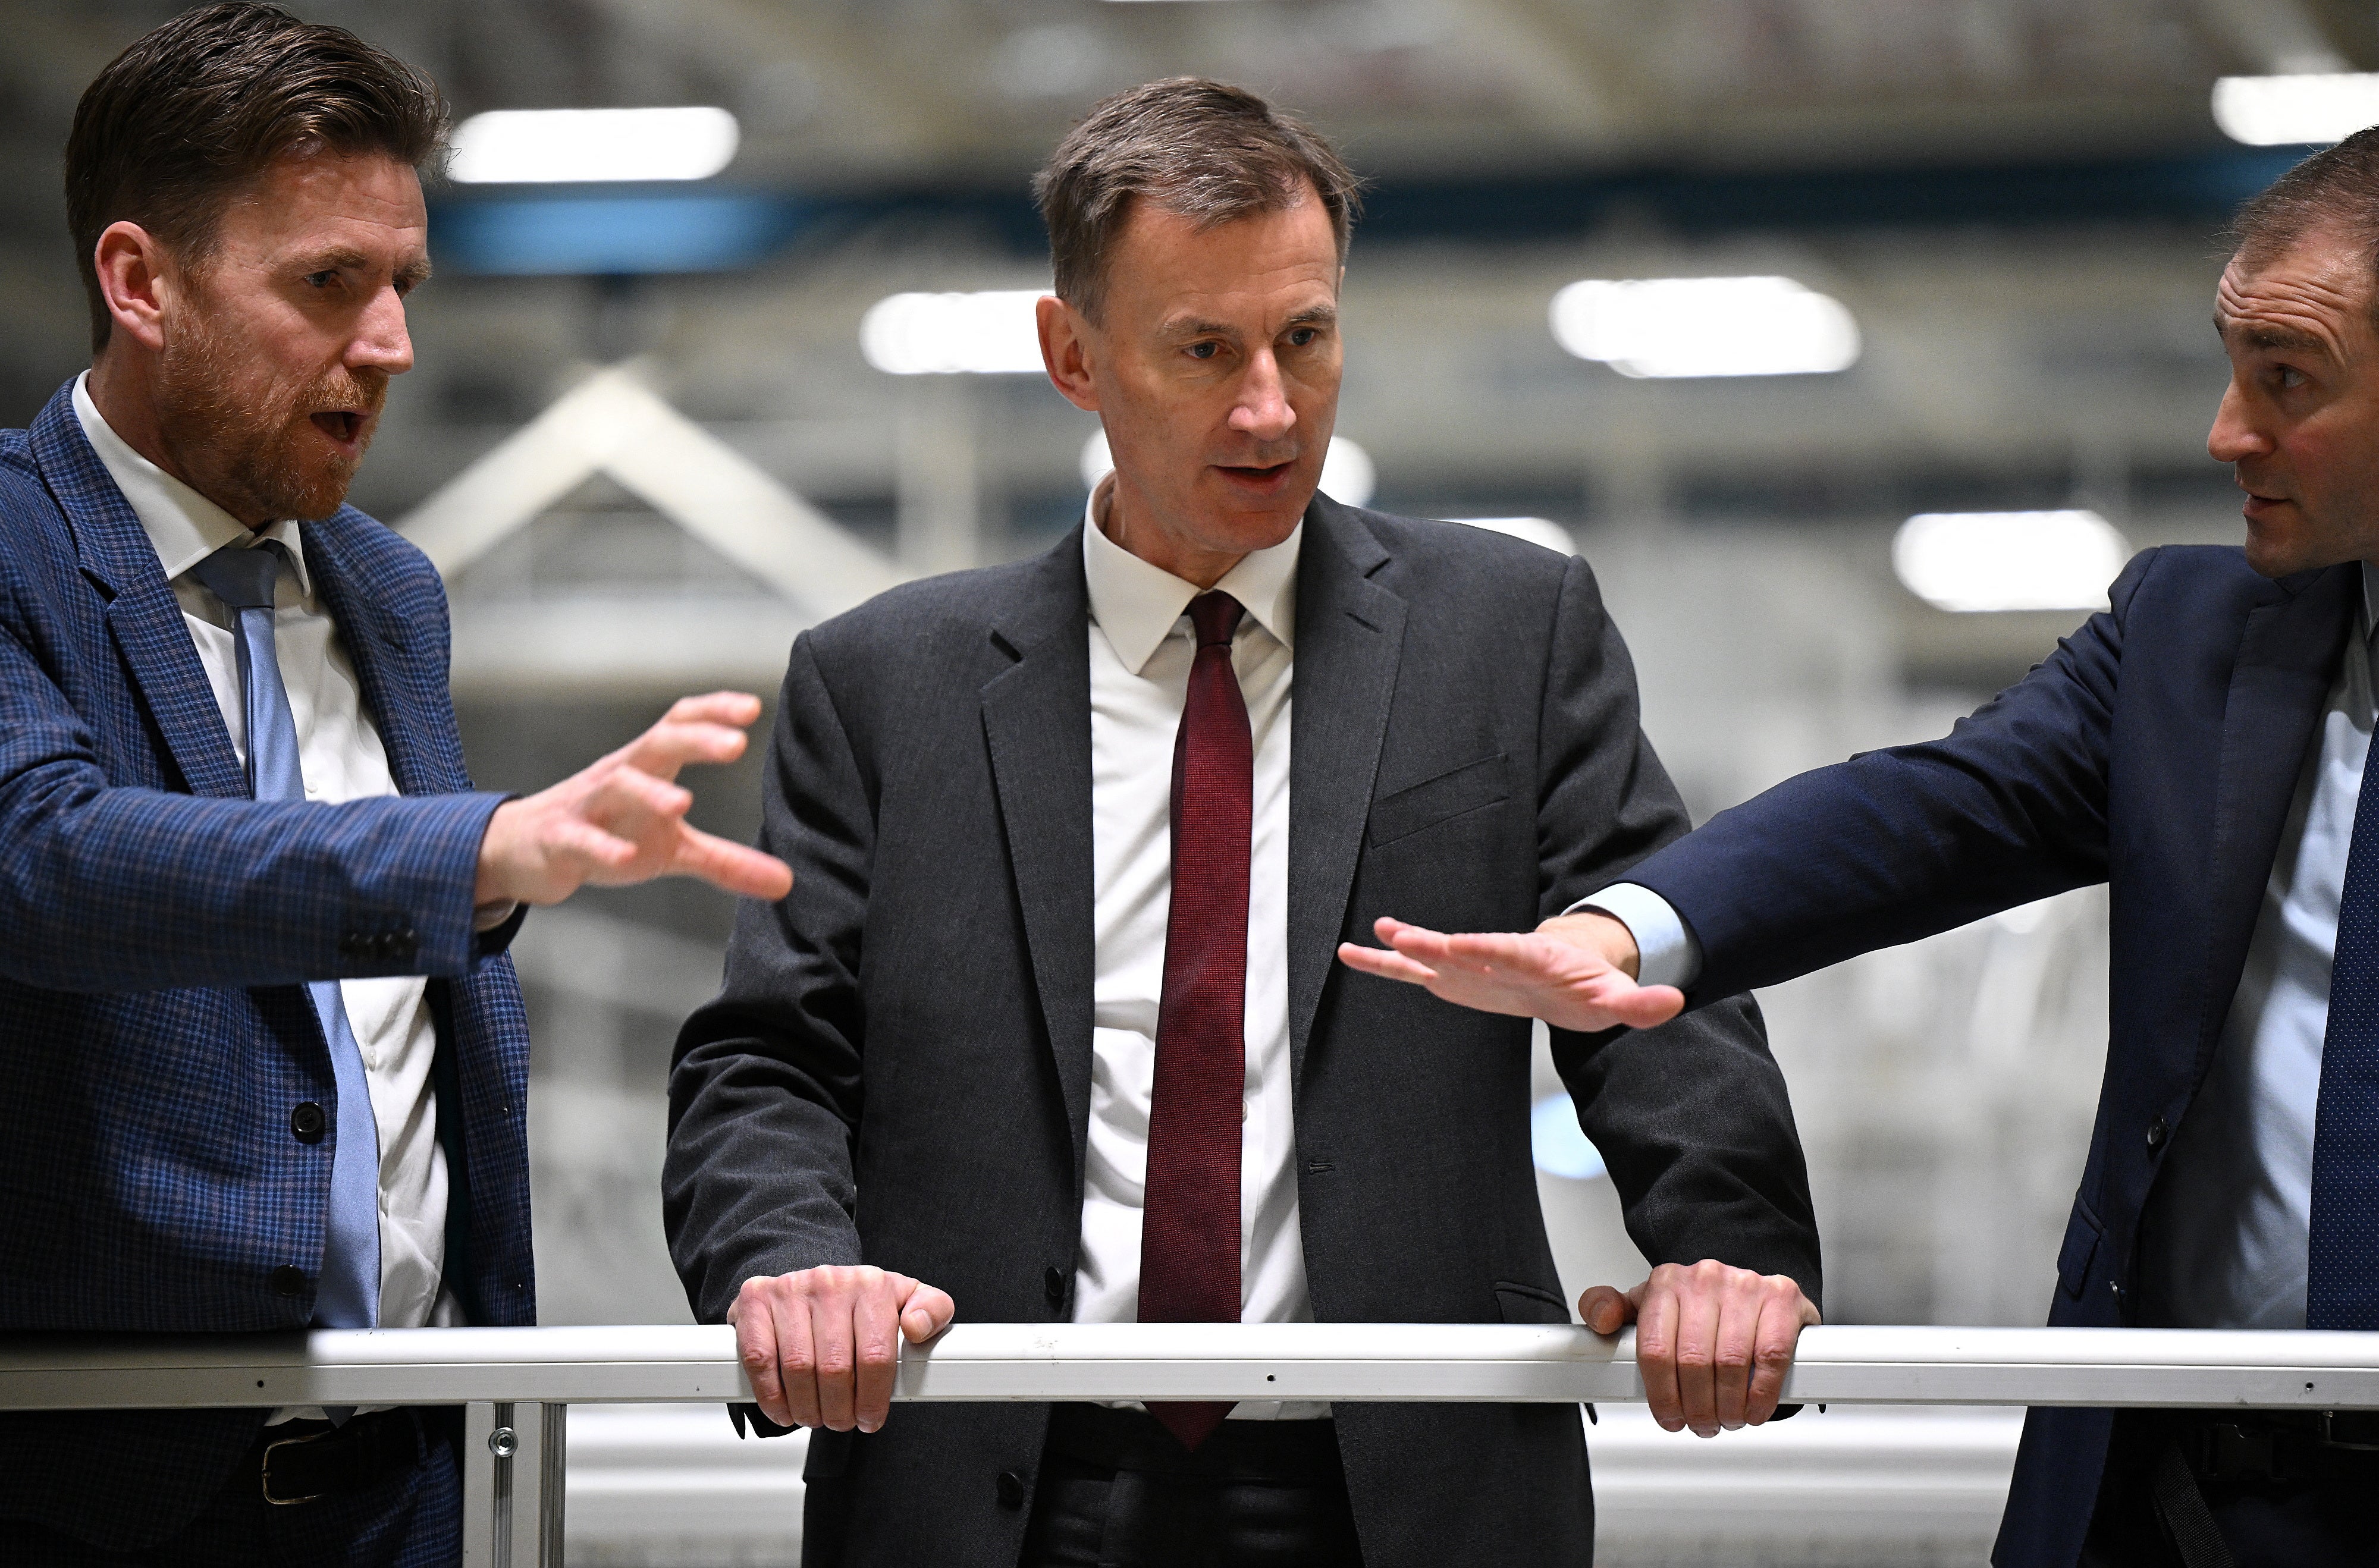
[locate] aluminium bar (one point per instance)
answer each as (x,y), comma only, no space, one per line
(1307,1361)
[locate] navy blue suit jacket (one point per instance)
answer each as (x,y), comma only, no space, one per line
(154,925)
(2157,750)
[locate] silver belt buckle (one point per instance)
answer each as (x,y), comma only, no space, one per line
(265,1470)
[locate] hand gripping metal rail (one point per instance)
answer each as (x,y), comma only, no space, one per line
(516,1384)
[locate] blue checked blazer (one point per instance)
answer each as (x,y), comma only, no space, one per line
(155,924)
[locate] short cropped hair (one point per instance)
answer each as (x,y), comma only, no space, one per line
(195,110)
(2336,190)
(1203,151)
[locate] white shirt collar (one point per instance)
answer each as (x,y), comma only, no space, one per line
(183,526)
(1137,604)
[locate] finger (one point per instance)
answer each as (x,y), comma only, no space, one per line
(632,802)
(796,1357)
(1698,1316)
(575,839)
(1656,1354)
(755,1344)
(737,868)
(1605,1309)
(669,745)
(1637,1006)
(1385,962)
(926,1313)
(876,1339)
(1782,1314)
(738,708)
(832,1319)
(1739,1304)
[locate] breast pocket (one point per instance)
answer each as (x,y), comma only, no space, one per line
(1424,806)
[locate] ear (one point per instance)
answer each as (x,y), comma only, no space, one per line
(132,268)
(1066,352)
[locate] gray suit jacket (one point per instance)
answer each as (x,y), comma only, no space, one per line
(898,1070)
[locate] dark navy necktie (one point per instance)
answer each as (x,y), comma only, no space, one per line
(2342,1251)
(348,1293)
(1190,1218)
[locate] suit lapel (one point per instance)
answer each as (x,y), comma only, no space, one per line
(394,690)
(2287,657)
(1349,637)
(1036,719)
(113,551)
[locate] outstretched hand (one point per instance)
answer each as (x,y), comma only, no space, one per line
(1575,972)
(1713,1341)
(623,820)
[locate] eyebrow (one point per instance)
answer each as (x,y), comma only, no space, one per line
(2279,338)
(413,272)
(1311,316)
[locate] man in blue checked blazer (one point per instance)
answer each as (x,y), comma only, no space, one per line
(263,1064)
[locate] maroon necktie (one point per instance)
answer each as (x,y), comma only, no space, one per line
(1190,1227)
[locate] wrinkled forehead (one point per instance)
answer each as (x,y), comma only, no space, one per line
(2317,291)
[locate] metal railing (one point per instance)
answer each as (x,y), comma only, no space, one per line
(516,1384)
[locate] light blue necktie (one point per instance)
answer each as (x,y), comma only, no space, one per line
(348,1295)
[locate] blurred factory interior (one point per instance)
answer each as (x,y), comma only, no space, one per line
(662,422)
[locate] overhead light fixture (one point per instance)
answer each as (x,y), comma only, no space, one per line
(2295,110)
(991,333)
(1993,561)
(1347,473)
(1697,327)
(542,146)
(1536,530)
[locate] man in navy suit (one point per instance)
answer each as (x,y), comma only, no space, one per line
(262,1061)
(2201,748)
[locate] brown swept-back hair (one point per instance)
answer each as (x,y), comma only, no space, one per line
(2336,190)
(1209,152)
(183,120)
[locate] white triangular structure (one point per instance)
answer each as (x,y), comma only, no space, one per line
(611,423)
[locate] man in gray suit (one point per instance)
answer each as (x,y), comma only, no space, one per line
(1050,1028)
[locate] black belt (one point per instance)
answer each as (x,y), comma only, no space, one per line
(302,1461)
(2279,1447)
(1295,1454)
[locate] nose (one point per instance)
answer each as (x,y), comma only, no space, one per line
(1262,409)
(382,342)
(2236,435)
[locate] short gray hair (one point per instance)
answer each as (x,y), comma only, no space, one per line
(1207,152)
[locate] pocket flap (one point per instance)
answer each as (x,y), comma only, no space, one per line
(1406,813)
(1530,1303)
(2080,1246)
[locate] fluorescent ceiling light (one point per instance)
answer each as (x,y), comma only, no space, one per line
(1691,327)
(945,334)
(2295,110)
(1536,530)
(536,146)
(1985,561)
(1347,475)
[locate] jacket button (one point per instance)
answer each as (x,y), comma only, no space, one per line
(2159,1130)
(307,1121)
(1053,1284)
(1012,1489)
(289,1281)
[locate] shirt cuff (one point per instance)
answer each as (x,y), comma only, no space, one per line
(1668,955)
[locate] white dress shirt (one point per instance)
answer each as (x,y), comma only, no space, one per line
(340,754)
(1141,650)
(2228,1222)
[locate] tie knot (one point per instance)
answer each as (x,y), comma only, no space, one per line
(1214,617)
(242,576)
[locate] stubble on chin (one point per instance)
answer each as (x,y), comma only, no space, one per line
(243,436)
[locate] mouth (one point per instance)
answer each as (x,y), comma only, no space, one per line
(344,425)
(1249,477)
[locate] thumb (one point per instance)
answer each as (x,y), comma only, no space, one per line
(1605,1310)
(1641,1006)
